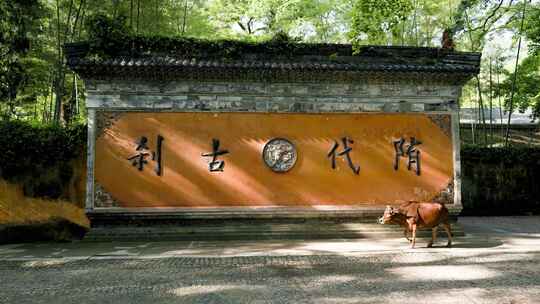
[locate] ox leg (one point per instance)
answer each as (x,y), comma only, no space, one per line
(433,236)
(413,235)
(406,234)
(449,233)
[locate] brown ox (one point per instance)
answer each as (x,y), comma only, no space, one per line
(413,215)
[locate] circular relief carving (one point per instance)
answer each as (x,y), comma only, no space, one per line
(279,155)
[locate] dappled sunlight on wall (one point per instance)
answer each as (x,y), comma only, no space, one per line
(246,181)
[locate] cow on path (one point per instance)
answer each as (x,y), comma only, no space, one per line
(414,215)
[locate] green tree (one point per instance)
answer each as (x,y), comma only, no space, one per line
(260,20)
(19,27)
(377,21)
(527,89)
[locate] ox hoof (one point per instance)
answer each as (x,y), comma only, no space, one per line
(449,245)
(429,245)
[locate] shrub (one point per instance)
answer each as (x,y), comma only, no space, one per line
(38,156)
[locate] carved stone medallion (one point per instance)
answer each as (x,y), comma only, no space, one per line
(279,155)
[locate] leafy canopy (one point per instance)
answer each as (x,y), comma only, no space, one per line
(374,20)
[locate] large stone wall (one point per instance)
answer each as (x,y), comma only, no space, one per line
(393,95)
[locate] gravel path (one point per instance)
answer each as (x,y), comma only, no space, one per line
(487,266)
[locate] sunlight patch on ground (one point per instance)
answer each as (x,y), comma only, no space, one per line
(189,252)
(443,273)
(343,247)
(198,289)
(334,279)
(121,252)
(522,239)
(495,257)
(354,300)
(418,257)
(447,296)
(44,263)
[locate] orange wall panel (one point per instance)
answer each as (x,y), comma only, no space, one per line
(247,182)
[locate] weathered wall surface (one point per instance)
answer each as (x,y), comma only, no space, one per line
(185,179)
(500,181)
(423,97)
(367,96)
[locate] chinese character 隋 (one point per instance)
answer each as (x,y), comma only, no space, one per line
(139,160)
(346,150)
(215,165)
(412,153)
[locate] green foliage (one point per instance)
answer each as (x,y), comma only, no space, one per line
(255,19)
(107,34)
(527,89)
(109,38)
(532,28)
(373,20)
(38,156)
(36,85)
(19,25)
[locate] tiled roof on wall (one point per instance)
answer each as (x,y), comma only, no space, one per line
(330,59)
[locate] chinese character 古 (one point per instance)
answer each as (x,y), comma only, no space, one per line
(139,160)
(215,165)
(346,150)
(412,153)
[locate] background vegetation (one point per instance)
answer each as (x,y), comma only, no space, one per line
(35,84)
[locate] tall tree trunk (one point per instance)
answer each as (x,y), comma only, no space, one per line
(57,83)
(76,112)
(481,108)
(415,23)
(46,112)
(501,129)
(490,102)
(50,114)
(184,18)
(131,14)
(403,33)
(138,13)
(115,8)
(59,92)
(81,22)
(68,21)
(506,137)
(473,122)
(157,19)
(74,29)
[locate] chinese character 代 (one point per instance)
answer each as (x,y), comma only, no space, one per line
(346,150)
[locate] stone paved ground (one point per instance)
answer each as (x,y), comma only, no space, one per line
(498,262)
